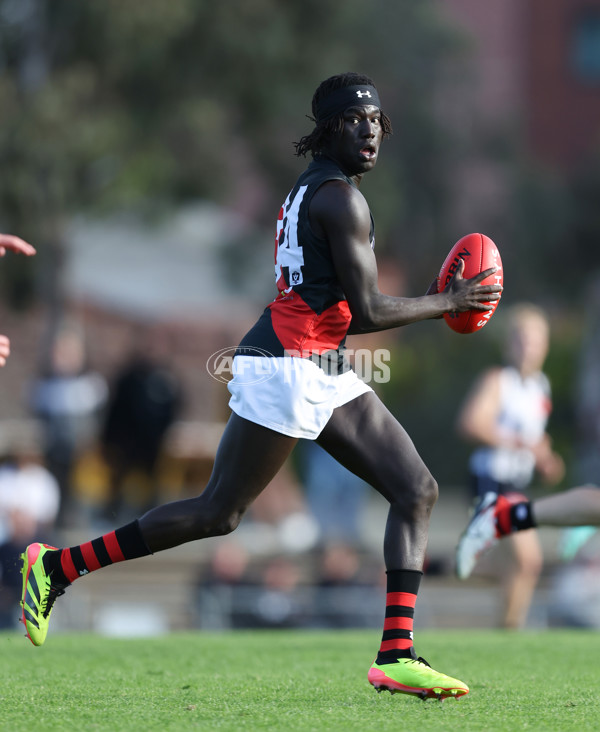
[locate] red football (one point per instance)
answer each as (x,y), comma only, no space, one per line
(478,252)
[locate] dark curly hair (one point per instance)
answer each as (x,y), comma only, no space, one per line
(325,129)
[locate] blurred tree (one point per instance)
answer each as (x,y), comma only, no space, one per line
(114,103)
(581,240)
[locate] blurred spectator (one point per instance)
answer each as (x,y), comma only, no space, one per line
(280,519)
(217,588)
(336,497)
(67,398)
(235,594)
(506,415)
(279,601)
(575,595)
(344,599)
(29,503)
(146,397)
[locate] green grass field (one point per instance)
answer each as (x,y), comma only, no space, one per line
(294,681)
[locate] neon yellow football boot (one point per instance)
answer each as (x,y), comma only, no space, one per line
(38,593)
(415,676)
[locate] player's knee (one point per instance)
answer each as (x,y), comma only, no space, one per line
(427,491)
(420,495)
(226,523)
(433,491)
(530,567)
(207,518)
(221,519)
(534,569)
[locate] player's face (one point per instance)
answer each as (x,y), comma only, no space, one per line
(356,148)
(528,345)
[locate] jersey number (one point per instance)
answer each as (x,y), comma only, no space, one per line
(288,253)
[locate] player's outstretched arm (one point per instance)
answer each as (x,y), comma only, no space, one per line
(340,213)
(8,242)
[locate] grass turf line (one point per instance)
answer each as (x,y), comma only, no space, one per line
(286,680)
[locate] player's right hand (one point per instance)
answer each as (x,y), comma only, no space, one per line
(15,244)
(4,349)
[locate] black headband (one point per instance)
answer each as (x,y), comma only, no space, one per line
(348,96)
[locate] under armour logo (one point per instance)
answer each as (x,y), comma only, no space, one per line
(360,94)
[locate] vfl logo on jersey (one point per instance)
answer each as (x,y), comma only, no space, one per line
(288,252)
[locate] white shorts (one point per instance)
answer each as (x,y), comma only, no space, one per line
(293,396)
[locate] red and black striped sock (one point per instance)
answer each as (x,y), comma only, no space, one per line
(397,639)
(66,565)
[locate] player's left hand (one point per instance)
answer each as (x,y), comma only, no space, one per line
(15,244)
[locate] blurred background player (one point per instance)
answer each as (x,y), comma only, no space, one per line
(506,414)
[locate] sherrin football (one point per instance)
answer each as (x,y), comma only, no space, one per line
(479,253)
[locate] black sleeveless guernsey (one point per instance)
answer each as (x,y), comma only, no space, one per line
(310,315)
